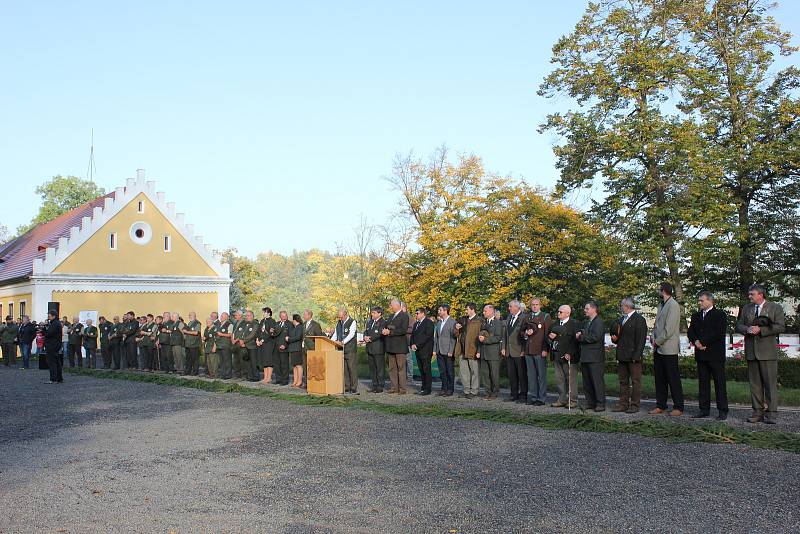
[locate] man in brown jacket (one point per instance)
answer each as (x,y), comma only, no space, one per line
(467,330)
(535,327)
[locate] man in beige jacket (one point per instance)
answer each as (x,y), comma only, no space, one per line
(666,341)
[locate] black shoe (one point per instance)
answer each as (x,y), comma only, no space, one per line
(441,394)
(700,415)
(769,420)
(600,409)
(510,399)
(722,416)
(538,403)
(521,400)
(465,396)
(425,393)
(530,403)
(449,394)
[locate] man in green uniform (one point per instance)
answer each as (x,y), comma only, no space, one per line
(249,333)
(164,343)
(176,340)
(491,343)
(8,339)
(129,348)
(209,348)
(74,340)
(89,335)
(115,342)
(146,341)
(237,349)
(104,328)
(191,345)
(222,338)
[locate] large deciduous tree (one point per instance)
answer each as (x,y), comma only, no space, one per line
(61,194)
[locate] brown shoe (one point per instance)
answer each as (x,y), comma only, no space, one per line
(755,418)
(632,409)
(619,408)
(655,411)
(675,413)
(557,405)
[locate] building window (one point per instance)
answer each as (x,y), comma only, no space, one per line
(167,243)
(22,309)
(1,313)
(112,241)
(11,309)
(141,233)
(140,209)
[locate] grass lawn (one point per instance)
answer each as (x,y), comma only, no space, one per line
(738,392)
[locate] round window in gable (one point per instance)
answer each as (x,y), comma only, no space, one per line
(141,233)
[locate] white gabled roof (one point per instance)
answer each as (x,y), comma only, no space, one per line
(114,202)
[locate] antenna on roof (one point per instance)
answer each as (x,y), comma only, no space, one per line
(90,172)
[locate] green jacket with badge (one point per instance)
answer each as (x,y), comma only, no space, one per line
(90,334)
(8,333)
(191,341)
(222,341)
(74,334)
(165,334)
(176,337)
(209,336)
(146,335)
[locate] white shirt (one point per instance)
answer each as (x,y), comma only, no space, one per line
(628,316)
(513,320)
(349,336)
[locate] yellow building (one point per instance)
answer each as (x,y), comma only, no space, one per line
(125,251)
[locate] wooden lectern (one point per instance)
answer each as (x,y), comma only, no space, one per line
(325,367)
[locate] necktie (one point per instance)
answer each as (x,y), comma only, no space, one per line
(625,319)
(513,319)
(758,308)
(704,313)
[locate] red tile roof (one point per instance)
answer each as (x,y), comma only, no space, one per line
(16,256)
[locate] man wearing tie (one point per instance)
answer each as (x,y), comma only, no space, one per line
(707,335)
(345,333)
(515,355)
(394,333)
(444,349)
(564,353)
(422,345)
(376,351)
(491,343)
(310,328)
(630,335)
(759,322)
(593,354)
(534,326)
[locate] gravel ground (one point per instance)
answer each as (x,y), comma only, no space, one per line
(119,456)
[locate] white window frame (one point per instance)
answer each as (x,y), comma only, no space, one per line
(113,241)
(23,303)
(140,207)
(167,243)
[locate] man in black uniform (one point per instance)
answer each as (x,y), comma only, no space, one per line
(52,344)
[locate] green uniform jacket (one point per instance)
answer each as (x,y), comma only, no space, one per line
(74,334)
(492,332)
(90,334)
(189,340)
(146,335)
(165,334)
(223,342)
(208,339)
(176,337)
(250,329)
(9,333)
(105,331)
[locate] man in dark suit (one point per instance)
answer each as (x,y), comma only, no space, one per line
(564,353)
(514,354)
(760,322)
(593,355)
(707,335)
(630,335)
(490,342)
(52,344)
(376,352)
(394,334)
(422,345)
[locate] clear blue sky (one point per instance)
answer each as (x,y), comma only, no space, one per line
(270,124)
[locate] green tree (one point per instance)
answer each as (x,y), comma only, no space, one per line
(61,194)
(750,121)
(621,65)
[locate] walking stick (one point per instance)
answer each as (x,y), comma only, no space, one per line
(569,385)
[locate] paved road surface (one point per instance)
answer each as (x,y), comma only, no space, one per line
(95,455)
